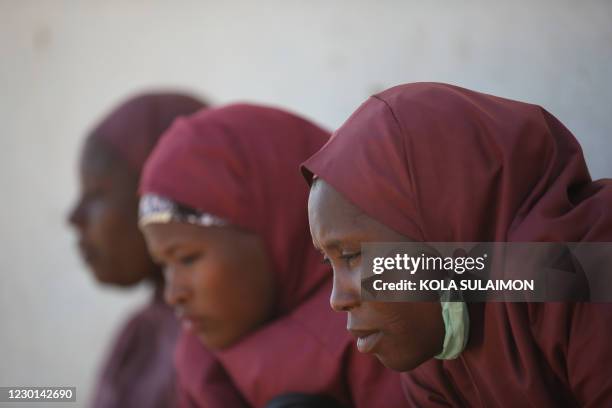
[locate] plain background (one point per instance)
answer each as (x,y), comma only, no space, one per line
(63,64)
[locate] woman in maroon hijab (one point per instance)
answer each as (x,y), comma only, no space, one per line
(224,210)
(139,370)
(437,163)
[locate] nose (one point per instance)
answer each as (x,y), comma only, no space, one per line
(76,216)
(176,290)
(346,294)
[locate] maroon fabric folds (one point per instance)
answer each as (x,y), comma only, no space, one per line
(241,163)
(133,128)
(139,371)
(440,163)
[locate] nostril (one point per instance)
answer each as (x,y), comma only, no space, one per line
(341,304)
(75,217)
(174,295)
(345,294)
(169,296)
(71,217)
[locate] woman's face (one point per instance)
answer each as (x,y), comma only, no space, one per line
(217,278)
(401,335)
(106,219)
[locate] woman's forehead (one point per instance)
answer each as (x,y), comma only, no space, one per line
(326,204)
(334,219)
(98,158)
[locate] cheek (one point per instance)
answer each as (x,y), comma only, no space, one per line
(218,290)
(115,226)
(211,285)
(104,222)
(395,318)
(233,290)
(233,297)
(115,233)
(414,333)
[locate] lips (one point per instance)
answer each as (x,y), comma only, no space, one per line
(87,252)
(191,322)
(188,324)
(366,339)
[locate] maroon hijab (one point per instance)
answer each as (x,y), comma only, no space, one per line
(139,369)
(241,163)
(132,129)
(440,163)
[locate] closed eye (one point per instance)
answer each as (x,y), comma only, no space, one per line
(351,256)
(190,259)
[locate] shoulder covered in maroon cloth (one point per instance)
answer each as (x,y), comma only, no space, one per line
(140,368)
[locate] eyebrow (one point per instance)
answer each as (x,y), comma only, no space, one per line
(171,248)
(331,244)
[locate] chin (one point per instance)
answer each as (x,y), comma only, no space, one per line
(401,363)
(206,342)
(106,278)
(212,342)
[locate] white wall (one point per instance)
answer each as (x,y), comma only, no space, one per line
(62,63)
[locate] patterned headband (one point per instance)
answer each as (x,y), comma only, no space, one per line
(157,209)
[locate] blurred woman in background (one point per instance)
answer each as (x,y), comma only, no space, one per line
(224,210)
(437,163)
(139,370)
